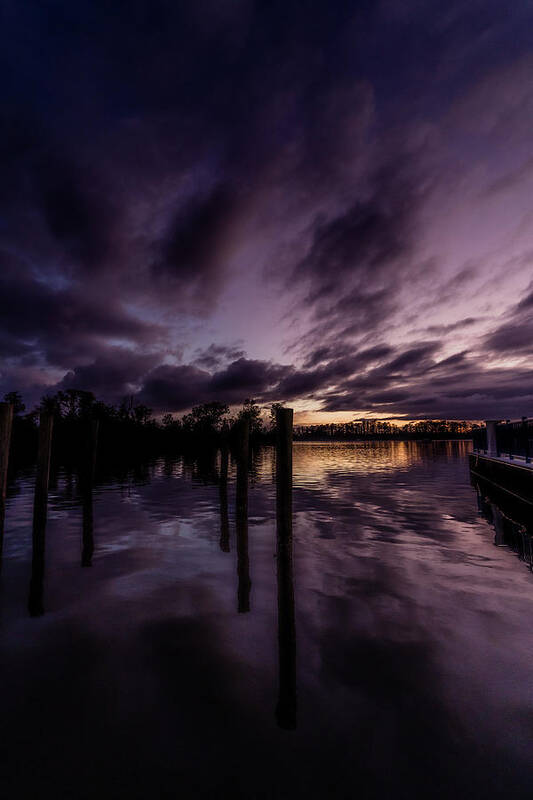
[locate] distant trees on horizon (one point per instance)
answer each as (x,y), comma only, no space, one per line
(208,420)
(376,428)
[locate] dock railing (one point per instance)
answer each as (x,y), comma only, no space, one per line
(509,438)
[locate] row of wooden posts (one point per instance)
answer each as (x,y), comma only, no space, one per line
(286,707)
(42,477)
(284,423)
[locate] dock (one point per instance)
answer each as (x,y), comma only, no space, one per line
(502,453)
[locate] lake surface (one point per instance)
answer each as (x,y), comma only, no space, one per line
(389,654)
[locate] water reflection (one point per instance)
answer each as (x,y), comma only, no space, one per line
(286,705)
(40,515)
(86,492)
(241,529)
(511,519)
(35,597)
(404,663)
(223,497)
(86,485)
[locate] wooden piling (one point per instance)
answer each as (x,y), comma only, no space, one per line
(46,424)
(243,441)
(525,430)
(40,506)
(93,445)
(287,704)
(284,418)
(223,496)
(6,423)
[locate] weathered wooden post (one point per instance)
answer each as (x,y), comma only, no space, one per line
(243,441)
(93,444)
(284,417)
(492,443)
(46,424)
(525,435)
(241,519)
(223,493)
(40,505)
(287,704)
(86,486)
(6,423)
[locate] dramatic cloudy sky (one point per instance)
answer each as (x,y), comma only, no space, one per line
(327,203)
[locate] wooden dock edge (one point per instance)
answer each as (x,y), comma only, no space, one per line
(515,479)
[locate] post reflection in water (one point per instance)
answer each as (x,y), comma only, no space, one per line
(40,505)
(35,599)
(86,484)
(223,496)
(286,706)
(87,547)
(6,423)
(241,527)
(413,621)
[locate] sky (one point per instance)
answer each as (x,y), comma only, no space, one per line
(327,204)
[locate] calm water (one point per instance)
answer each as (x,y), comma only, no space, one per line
(405,663)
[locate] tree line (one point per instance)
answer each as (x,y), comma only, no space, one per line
(384,429)
(131,425)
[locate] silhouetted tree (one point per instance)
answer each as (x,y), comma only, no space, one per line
(273,412)
(15,398)
(205,419)
(252,412)
(74,403)
(141,414)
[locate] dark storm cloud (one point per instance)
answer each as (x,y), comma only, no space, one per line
(158,91)
(191,255)
(63,320)
(415,357)
(212,356)
(175,388)
(459,389)
(367,380)
(363,357)
(46,327)
(515,334)
(439,330)
(154,152)
(366,237)
(250,376)
(76,208)
(513,337)
(526,304)
(179,387)
(358,261)
(118,372)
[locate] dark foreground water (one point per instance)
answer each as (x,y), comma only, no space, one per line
(404,664)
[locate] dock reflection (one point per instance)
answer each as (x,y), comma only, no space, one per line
(511,518)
